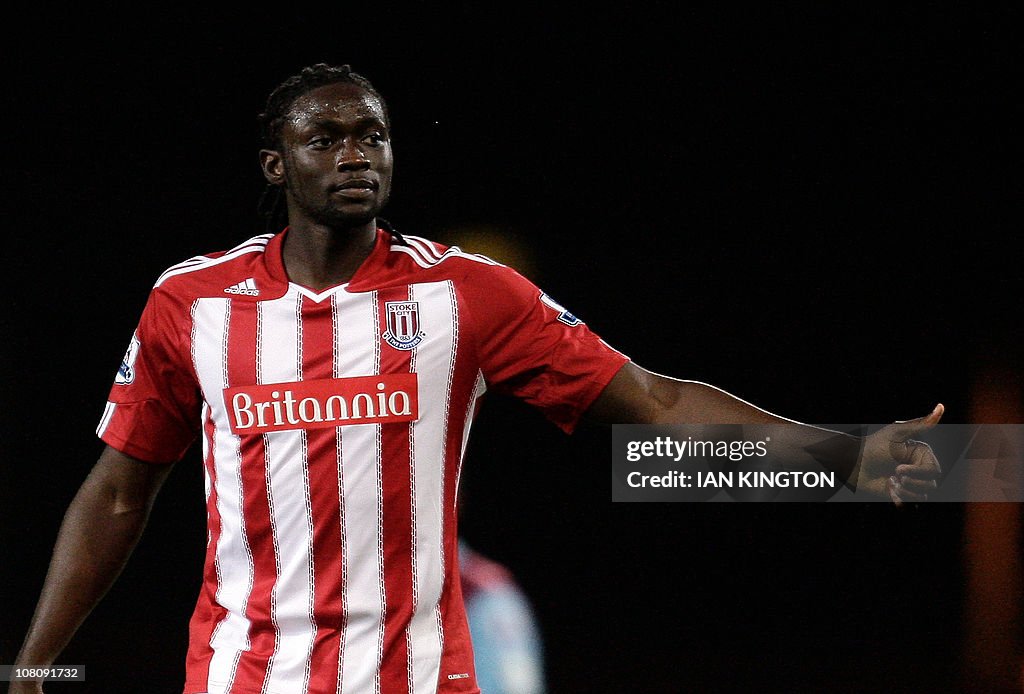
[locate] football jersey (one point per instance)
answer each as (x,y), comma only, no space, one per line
(333,427)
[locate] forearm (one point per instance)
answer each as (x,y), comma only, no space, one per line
(96,538)
(791,443)
(638,396)
(887,463)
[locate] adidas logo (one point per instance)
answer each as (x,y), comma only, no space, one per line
(247,287)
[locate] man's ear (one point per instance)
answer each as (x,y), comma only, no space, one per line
(272,164)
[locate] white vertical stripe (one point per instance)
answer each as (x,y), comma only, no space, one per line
(434,368)
(207,481)
(338,459)
(280,360)
(233,560)
(357,330)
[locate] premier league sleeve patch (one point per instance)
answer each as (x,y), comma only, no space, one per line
(403,324)
(126,372)
(563,314)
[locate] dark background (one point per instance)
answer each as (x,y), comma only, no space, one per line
(808,207)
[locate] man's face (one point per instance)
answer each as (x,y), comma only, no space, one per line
(336,160)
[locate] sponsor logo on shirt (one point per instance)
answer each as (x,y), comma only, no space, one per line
(317,404)
(403,324)
(247,287)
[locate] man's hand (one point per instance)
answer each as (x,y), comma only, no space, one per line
(893,464)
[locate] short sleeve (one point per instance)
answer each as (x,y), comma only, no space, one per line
(533,348)
(153,409)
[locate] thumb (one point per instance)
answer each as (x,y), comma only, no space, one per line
(908,428)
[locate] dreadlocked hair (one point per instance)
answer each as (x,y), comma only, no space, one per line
(309,78)
(271,122)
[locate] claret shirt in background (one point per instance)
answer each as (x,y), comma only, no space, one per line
(333,426)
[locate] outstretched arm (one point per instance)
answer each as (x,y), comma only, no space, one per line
(101,527)
(887,462)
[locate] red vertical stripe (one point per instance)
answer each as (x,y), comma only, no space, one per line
(253,664)
(318,362)
(397,530)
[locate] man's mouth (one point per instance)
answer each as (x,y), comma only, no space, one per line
(354,184)
(355,189)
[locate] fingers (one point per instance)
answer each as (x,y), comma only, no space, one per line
(916,475)
(917,470)
(892,490)
(912,489)
(917,459)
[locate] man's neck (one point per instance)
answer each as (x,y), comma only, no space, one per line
(318,257)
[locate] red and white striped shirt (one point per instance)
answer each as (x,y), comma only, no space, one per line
(334,425)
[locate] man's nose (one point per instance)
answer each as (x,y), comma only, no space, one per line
(350,156)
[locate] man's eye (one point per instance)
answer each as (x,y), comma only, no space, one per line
(322,141)
(375,138)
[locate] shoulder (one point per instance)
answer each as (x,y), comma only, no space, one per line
(415,259)
(471,271)
(427,255)
(217,272)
